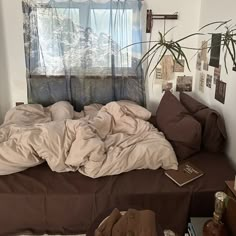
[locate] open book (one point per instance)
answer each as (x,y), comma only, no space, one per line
(186,173)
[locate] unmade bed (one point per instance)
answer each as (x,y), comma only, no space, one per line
(42,201)
(39,200)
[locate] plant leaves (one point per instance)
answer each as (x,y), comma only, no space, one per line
(224,23)
(184,56)
(158,61)
(230,53)
(188,36)
(148,55)
(142,42)
(150,62)
(234,51)
(213,23)
(169,30)
(225,62)
(176,59)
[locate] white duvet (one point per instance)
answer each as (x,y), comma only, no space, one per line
(100,141)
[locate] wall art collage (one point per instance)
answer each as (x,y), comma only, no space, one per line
(166,73)
(207,79)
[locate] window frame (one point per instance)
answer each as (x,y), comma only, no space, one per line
(85,19)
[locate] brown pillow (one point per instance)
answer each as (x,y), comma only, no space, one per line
(179,127)
(213,127)
(190,103)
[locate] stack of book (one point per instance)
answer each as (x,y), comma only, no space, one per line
(191,231)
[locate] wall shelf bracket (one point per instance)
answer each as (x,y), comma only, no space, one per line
(151,17)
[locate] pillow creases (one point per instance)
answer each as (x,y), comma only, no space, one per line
(179,127)
(213,127)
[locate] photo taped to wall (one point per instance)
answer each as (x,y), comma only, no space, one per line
(220,91)
(184,83)
(209,81)
(179,67)
(204,51)
(167,66)
(205,65)
(217,72)
(167,86)
(215,50)
(202,82)
(199,62)
(158,76)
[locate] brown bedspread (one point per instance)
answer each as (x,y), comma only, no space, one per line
(43,201)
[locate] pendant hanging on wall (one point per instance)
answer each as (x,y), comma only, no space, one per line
(215,50)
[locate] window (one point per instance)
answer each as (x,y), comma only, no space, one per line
(120,20)
(82,37)
(73,51)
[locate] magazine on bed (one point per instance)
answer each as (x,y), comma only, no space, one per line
(186,173)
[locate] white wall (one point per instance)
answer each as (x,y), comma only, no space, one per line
(4,85)
(189,12)
(211,11)
(188,22)
(13,77)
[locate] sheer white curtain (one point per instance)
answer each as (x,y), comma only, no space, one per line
(81,42)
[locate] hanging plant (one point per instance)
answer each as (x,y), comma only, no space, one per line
(163,46)
(228,41)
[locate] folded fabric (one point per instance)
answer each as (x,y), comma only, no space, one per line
(132,223)
(106,226)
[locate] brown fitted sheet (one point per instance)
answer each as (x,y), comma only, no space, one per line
(42,201)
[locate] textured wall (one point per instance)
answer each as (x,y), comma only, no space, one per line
(214,11)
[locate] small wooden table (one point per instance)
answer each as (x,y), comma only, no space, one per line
(230,191)
(230,213)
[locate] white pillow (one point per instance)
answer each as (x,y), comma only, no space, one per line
(27,114)
(61,111)
(133,109)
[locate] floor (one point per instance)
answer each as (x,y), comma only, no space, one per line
(50,235)
(167,233)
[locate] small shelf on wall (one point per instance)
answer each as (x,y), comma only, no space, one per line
(151,17)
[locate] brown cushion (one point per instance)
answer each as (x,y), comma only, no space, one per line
(179,127)
(190,103)
(213,127)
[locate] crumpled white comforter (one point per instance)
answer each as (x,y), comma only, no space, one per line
(100,141)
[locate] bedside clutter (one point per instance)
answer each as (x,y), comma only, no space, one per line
(225,208)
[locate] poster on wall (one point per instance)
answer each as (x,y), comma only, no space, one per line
(209,81)
(199,62)
(158,77)
(215,50)
(167,66)
(217,72)
(184,83)
(167,86)
(204,51)
(205,65)
(202,82)
(220,91)
(179,67)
